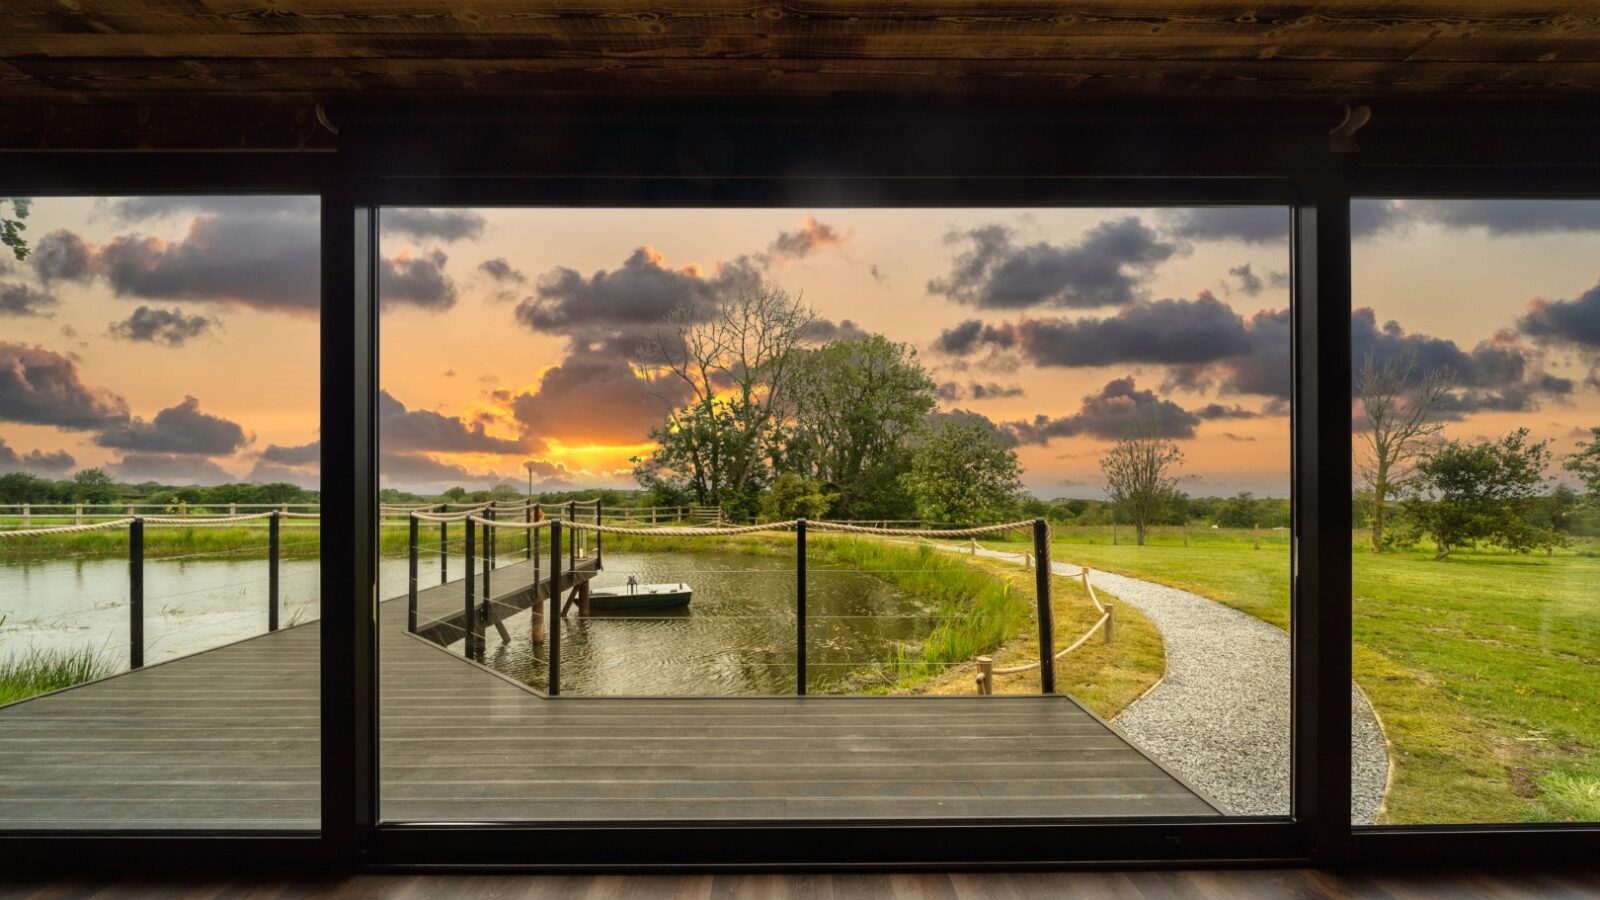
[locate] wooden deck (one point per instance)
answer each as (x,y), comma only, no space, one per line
(229,738)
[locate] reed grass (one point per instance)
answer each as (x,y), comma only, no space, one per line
(41,671)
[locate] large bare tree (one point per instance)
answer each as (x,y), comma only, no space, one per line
(1138,476)
(736,366)
(1398,405)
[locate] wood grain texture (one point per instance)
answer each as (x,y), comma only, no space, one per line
(229,738)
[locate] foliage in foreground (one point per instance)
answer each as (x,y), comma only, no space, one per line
(40,671)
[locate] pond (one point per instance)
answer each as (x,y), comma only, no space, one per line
(736,637)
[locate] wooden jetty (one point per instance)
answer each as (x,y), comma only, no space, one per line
(228,738)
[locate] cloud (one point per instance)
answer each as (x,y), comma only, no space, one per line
(1497,374)
(1167,332)
(168,468)
(176,430)
(406,430)
(823,331)
(128,210)
(505,275)
(799,243)
(440,224)
(416,281)
(617,408)
(35,462)
(1508,217)
(1219,411)
(272,473)
(21,300)
(617,308)
(1250,284)
(62,255)
(1242,438)
(1565,321)
(951,391)
(266,262)
(1107,267)
(42,387)
(1260,366)
(293,454)
(1270,224)
(1119,410)
(167,326)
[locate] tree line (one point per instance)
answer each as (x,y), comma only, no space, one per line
(95,487)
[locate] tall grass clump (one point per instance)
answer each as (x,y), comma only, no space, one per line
(41,671)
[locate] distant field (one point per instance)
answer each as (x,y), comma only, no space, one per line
(1485,667)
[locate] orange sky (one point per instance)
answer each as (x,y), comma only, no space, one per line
(461,345)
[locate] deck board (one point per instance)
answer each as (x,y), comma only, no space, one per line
(229,739)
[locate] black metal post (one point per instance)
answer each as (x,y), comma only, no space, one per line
(469,593)
(488,557)
(136,593)
(800,607)
(444,552)
(572,537)
(411,591)
(273,548)
(555,607)
(1047,619)
(597,537)
(527,516)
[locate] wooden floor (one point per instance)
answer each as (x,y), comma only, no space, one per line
(1306,884)
(229,738)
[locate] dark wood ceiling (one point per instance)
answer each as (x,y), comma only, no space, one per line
(72,51)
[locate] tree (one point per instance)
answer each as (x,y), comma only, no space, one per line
(795,497)
(736,365)
(1585,463)
(94,486)
(1138,480)
(1482,491)
(11,227)
(1398,406)
(964,471)
(1238,511)
(854,404)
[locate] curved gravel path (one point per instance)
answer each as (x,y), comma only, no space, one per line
(1220,717)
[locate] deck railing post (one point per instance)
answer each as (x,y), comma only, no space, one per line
(136,593)
(572,538)
(1047,622)
(488,555)
(555,607)
(444,552)
(77,514)
(527,536)
(411,591)
(800,606)
(274,547)
(470,593)
(597,540)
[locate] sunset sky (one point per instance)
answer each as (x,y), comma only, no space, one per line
(176,338)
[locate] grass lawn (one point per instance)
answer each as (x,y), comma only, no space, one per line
(1484,667)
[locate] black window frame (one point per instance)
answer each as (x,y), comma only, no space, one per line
(1319,829)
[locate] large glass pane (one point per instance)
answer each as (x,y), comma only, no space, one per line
(158,513)
(918,385)
(1476,337)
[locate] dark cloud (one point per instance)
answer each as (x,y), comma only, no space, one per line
(1498,374)
(62,255)
(294,454)
(811,235)
(1261,366)
(951,391)
(168,468)
(127,210)
(273,473)
(172,327)
(416,281)
(1270,224)
(972,335)
(617,308)
(35,462)
(1250,284)
(1107,267)
(1242,438)
(42,387)
(440,224)
(823,331)
(617,408)
(176,430)
(22,300)
(1119,410)
(403,430)
(967,417)
(267,262)
(502,271)
(1565,321)
(1508,217)
(1219,411)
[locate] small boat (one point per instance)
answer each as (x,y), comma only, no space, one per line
(634,595)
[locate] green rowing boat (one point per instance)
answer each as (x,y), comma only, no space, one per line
(640,596)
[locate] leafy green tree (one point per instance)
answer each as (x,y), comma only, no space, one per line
(455,494)
(1585,463)
(1238,511)
(1139,480)
(94,486)
(794,496)
(963,471)
(854,404)
(11,227)
(1480,491)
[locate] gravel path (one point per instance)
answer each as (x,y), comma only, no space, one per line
(1220,717)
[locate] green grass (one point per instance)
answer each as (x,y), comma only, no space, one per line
(40,671)
(1483,666)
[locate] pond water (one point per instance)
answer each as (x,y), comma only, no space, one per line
(736,637)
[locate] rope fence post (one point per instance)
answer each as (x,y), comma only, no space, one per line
(1111,621)
(1047,624)
(411,591)
(527,516)
(572,537)
(597,543)
(444,552)
(470,591)
(555,607)
(136,593)
(800,606)
(986,675)
(274,546)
